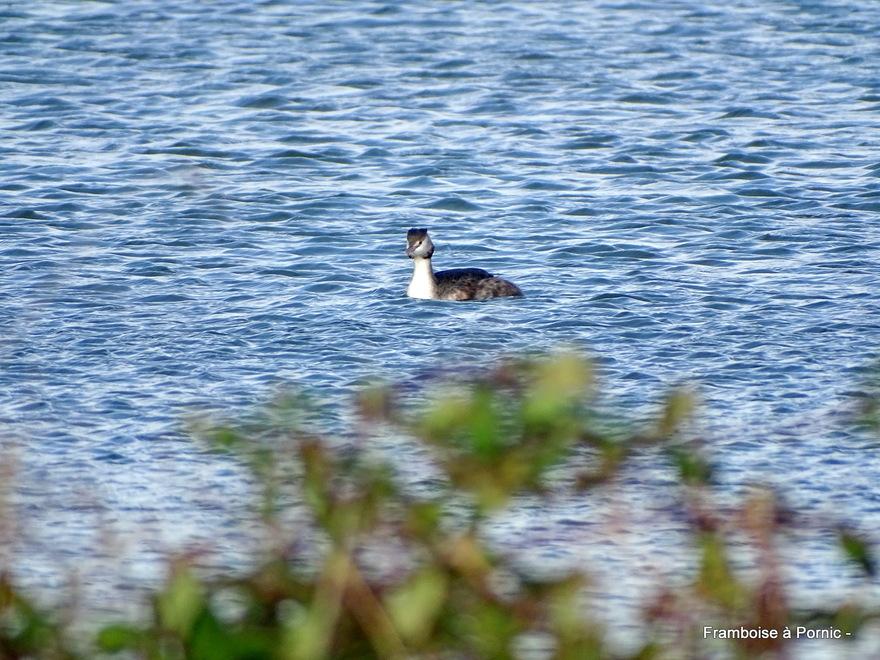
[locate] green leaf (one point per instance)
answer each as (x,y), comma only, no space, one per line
(119,638)
(858,550)
(181,603)
(414,607)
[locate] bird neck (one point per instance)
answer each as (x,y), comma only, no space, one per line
(423,283)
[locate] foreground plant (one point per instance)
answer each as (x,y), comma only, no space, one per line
(379,570)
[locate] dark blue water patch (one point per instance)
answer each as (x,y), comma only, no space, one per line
(744,175)
(545,185)
(328,155)
(647,98)
(822,164)
(36,125)
(597,141)
(374,153)
(452,203)
(419,182)
(197,152)
(101,288)
(24,214)
(164,298)
(621,251)
(706,134)
(748,113)
(635,169)
(760,192)
(674,76)
(872,207)
(310,137)
(98,189)
(743,157)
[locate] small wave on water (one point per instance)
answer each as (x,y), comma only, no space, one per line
(202,200)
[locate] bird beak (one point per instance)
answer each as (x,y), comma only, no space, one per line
(411,249)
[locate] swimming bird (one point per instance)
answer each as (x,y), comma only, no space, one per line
(453,284)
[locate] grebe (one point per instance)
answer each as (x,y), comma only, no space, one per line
(454,284)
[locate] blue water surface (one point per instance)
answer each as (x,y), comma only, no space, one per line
(201,200)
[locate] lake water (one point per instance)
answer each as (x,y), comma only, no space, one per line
(201,200)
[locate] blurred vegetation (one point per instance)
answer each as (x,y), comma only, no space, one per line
(380,569)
